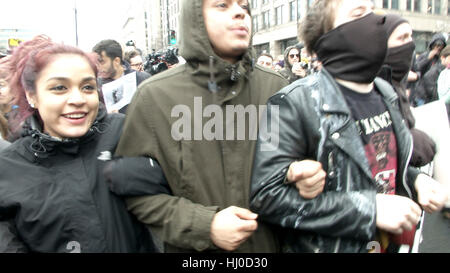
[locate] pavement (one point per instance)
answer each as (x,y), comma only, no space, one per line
(435,234)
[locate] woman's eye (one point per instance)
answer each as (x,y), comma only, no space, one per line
(89,88)
(58,88)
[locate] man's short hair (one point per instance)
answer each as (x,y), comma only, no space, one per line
(266,54)
(130,55)
(318,21)
(446,51)
(111,48)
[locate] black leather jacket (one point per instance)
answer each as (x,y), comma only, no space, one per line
(315,123)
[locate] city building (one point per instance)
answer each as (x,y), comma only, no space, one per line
(153,25)
(150,23)
(275,21)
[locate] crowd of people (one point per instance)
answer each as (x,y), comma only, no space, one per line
(336,169)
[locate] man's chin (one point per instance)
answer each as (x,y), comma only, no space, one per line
(103,75)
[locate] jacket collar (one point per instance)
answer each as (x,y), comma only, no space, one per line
(38,146)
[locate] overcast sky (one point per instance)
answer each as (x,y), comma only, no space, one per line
(97,19)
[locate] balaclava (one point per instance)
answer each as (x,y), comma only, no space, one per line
(398,58)
(354,51)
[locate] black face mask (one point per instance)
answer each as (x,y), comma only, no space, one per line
(399,59)
(354,51)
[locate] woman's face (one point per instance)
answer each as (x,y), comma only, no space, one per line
(5,94)
(66,96)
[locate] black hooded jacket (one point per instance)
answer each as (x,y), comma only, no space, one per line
(55,194)
(423,63)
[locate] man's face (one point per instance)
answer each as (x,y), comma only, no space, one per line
(136,63)
(106,69)
(265,61)
(349,10)
(400,36)
(228,24)
(445,60)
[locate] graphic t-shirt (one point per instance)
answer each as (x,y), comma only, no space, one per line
(375,129)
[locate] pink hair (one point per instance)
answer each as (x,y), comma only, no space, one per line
(25,64)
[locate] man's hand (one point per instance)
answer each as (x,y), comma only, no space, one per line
(435,51)
(412,76)
(308,176)
(431,194)
(232,226)
(396,213)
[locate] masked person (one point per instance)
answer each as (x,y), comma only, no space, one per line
(348,120)
(397,66)
(51,184)
(208,174)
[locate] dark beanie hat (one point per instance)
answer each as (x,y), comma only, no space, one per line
(392,22)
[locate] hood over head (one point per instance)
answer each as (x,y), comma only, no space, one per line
(194,41)
(287,65)
(437,38)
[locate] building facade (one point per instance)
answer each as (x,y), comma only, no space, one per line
(149,23)
(275,21)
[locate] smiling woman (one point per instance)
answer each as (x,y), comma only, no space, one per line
(52,186)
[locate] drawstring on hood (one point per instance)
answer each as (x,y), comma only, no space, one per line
(43,145)
(212,84)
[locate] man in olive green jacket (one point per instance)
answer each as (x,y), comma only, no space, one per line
(181,117)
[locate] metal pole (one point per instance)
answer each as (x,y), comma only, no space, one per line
(76,23)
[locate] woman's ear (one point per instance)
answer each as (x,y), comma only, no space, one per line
(30,99)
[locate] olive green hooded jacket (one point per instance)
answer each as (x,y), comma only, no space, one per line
(204,175)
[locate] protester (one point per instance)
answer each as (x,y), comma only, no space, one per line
(431,57)
(51,179)
(6,98)
(397,66)
(208,175)
(428,66)
(266,60)
(112,67)
(293,68)
(443,84)
(347,120)
(134,58)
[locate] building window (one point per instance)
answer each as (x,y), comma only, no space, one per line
(448,7)
(292,11)
(430,7)
(265,2)
(254,4)
(266,19)
(279,15)
(255,23)
(299,9)
(385,4)
(437,6)
(417,4)
(409,5)
(394,4)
